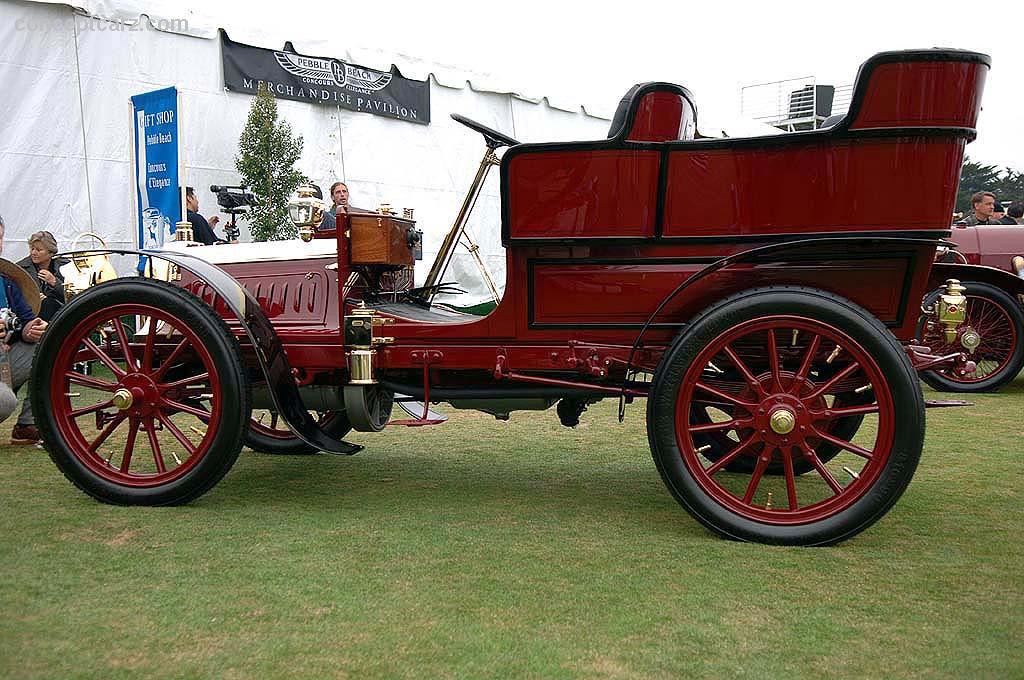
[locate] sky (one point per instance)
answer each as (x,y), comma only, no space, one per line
(593,52)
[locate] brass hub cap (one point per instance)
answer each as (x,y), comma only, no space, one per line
(782,421)
(137,396)
(970,339)
(123,399)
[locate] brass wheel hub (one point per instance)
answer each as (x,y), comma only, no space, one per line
(137,395)
(970,339)
(123,399)
(782,421)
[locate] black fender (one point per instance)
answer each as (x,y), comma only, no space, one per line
(269,350)
(998,278)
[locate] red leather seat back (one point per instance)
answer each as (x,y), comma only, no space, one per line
(662,117)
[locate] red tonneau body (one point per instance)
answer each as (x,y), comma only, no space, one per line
(598,233)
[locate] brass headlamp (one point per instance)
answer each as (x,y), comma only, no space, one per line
(306,211)
(951,309)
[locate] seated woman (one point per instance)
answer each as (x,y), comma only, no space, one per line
(44,268)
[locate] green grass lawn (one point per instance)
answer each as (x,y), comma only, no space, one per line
(484,549)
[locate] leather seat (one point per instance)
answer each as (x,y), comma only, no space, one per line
(622,110)
(655,112)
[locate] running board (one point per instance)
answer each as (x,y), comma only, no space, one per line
(421,414)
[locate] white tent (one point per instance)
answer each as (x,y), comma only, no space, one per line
(65,129)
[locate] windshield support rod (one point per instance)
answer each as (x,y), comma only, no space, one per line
(451,239)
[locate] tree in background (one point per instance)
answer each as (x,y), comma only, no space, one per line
(1007,185)
(267,153)
(1010,186)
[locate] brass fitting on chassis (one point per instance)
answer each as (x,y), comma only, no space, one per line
(361,342)
(951,309)
(1017,265)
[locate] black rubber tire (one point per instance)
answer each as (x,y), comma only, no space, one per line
(231,377)
(869,333)
(1013,367)
(336,425)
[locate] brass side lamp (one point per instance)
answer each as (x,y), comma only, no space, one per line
(952,309)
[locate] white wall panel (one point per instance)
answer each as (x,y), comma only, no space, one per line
(50,88)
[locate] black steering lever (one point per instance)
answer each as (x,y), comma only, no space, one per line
(494,138)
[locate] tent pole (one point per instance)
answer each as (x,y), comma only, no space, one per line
(81,109)
(512,114)
(341,149)
(133,155)
(182,185)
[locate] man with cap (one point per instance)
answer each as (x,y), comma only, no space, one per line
(19,294)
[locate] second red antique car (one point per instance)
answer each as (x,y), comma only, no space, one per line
(762,294)
(989,260)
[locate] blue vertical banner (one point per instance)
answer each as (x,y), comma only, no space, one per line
(155,122)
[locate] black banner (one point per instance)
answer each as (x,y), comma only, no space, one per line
(323,80)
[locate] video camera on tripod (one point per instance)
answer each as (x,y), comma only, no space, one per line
(234,201)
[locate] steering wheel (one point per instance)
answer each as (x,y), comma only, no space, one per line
(494,138)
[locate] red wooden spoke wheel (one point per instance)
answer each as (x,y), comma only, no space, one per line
(994,327)
(268,433)
(714,443)
(807,360)
(158,417)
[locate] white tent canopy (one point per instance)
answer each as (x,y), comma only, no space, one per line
(65,130)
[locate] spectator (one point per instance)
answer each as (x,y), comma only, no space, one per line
(339,197)
(983,202)
(17,345)
(202,231)
(998,213)
(44,268)
(1015,213)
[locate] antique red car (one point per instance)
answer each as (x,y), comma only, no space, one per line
(762,294)
(989,260)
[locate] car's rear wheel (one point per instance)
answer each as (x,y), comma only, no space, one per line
(721,443)
(817,351)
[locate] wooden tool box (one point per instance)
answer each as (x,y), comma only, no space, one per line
(381,240)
